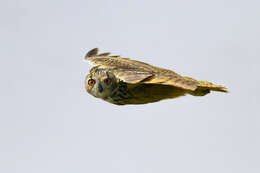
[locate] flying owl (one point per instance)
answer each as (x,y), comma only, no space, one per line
(123,81)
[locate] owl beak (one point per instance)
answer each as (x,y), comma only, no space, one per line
(100,88)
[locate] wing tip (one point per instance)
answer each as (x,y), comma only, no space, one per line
(222,89)
(92,52)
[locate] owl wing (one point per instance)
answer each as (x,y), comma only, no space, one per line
(132,71)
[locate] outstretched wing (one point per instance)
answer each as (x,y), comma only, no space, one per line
(166,77)
(132,71)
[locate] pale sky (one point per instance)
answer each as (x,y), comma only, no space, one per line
(49,123)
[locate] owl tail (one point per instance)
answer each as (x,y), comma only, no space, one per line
(205,87)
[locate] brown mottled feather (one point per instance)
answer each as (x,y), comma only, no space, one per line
(104,54)
(208,85)
(92,52)
(131,75)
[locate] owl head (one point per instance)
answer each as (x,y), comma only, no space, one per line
(100,83)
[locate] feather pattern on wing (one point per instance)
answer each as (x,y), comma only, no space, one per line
(132,71)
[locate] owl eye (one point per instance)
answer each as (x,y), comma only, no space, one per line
(107,81)
(91,82)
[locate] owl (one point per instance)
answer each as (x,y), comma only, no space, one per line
(123,81)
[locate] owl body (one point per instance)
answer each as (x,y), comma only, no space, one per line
(123,81)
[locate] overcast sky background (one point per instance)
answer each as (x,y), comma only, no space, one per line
(48,122)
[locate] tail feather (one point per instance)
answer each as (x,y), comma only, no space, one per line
(212,87)
(205,87)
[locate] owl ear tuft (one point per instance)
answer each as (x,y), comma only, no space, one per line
(92,52)
(104,54)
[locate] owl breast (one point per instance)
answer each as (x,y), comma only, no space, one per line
(143,93)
